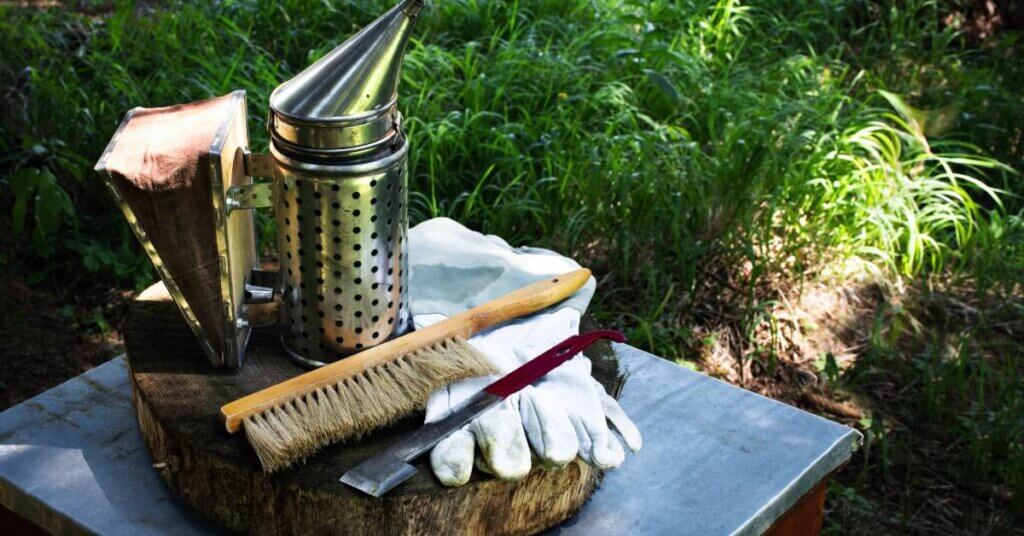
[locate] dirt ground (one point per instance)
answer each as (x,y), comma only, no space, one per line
(44,340)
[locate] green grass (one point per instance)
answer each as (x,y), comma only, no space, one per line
(703,157)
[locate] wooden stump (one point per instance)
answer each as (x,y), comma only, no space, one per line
(177,395)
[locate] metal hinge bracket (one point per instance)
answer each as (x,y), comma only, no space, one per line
(248,196)
(259,165)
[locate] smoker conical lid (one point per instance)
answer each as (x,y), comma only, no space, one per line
(347,98)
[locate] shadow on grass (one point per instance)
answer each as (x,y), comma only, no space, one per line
(938,377)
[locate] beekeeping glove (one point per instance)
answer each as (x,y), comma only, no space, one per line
(564,414)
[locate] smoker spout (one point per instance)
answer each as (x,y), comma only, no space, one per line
(347,101)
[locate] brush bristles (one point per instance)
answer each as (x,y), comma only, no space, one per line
(370,400)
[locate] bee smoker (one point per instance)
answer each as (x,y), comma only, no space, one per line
(338,185)
(340,190)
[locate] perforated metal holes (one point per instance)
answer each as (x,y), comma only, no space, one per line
(342,243)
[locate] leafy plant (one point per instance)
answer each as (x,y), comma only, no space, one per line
(51,203)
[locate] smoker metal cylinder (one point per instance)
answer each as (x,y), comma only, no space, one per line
(340,190)
(342,241)
(350,136)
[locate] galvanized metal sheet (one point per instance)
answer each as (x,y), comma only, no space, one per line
(72,460)
(716,459)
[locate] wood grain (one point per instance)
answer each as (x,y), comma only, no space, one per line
(805,517)
(177,396)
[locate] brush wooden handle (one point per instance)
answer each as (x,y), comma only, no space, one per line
(529,299)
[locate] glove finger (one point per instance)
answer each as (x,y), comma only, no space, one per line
(598,446)
(548,428)
(452,458)
(608,452)
(502,441)
(620,421)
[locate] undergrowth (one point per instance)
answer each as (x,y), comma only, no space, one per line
(705,158)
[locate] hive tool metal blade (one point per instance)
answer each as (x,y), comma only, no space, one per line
(378,475)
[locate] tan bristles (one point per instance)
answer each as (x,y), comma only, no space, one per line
(360,404)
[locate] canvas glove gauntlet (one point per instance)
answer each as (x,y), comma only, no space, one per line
(562,416)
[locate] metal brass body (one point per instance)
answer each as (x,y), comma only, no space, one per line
(341,236)
(362,135)
(340,191)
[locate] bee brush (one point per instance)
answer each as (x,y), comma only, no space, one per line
(366,391)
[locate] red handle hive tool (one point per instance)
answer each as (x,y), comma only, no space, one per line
(381,473)
(533,369)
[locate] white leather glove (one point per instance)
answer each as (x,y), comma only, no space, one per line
(562,416)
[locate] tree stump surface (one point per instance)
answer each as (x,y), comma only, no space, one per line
(177,395)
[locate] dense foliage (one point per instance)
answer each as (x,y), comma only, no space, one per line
(691,152)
